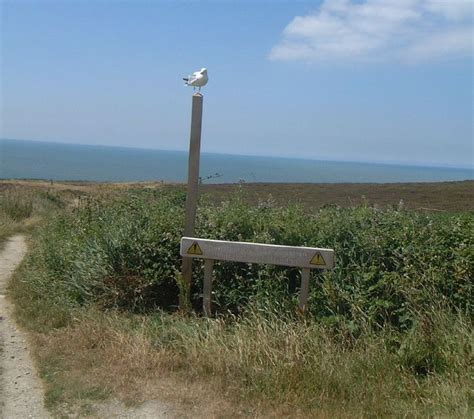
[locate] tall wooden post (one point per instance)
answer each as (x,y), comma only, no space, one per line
(192,191)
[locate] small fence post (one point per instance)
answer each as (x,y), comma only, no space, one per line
(304,290)
(207,288)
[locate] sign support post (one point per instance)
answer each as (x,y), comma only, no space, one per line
(192,191)
(207,288)
(304,290)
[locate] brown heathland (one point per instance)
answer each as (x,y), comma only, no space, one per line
(439,196)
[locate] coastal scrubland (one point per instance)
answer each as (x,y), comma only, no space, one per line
(388,331)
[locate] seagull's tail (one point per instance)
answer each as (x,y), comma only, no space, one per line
(186,79)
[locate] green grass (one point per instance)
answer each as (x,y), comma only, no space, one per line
(388,332)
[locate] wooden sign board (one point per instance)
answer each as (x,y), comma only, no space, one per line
(295,256)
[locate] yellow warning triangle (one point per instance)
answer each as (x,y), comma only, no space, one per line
(194,249)
(317,259)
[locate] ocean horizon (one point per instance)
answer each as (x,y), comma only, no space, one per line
(25,159)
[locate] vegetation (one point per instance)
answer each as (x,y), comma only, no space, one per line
(21,209)
(388,332)
(124,253)
(432,197)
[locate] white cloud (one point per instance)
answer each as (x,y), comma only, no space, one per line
(376,29)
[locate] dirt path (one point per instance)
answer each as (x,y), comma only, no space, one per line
(21,393)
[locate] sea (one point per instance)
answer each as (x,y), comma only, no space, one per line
(57,161)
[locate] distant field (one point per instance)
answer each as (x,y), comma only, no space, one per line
(438,196)
(444,196)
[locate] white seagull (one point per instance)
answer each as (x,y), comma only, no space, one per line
(198,79)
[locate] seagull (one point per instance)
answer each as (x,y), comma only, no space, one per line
(198,79)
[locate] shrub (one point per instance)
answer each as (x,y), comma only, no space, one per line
(389,264)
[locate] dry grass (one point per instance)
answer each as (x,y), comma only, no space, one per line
(77,188)
(96,357)
(16,210)
(259,367)
(8,227)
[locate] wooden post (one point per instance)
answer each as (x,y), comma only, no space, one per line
(207,288)
(304,291)
(192,191)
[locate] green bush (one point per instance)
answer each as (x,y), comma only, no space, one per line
(389,264)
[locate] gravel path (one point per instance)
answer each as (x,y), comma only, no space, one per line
(21,393)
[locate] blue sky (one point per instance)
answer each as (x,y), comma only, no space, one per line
(372,80)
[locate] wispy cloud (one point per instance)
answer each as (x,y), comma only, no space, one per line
(379,29)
